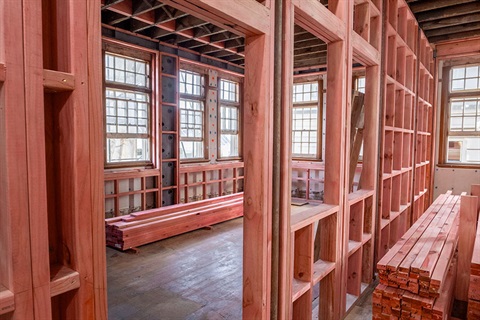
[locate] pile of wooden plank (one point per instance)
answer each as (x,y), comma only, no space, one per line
(148,226)
(419,269)
(474,287)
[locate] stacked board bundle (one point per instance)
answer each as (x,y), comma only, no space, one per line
(474,287)
(139,228)
(417,274)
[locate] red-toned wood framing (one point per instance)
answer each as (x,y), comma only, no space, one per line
(52,235)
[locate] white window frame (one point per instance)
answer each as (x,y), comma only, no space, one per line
(229,100)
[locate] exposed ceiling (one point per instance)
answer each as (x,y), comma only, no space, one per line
(443,20)
(156,20)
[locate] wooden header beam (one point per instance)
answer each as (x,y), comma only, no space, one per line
(364,52)
(243,17)
(458,48)
(319,21)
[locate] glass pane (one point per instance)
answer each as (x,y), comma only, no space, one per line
(471,84)
(458,73)
(472,72)
(456,123)
(127,150)
(470,107)
(456,108)
(469,123)
(458,85)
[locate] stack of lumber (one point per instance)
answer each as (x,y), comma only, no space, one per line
(417,275)
(474,287)
(148,226)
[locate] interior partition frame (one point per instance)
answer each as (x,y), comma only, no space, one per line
(253,20)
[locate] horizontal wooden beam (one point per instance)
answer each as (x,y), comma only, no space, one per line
(455,36)
(429,5)
(63,279)
(56,81)
(7,300)
(448,22)
(454,29)
(449,12)
(364,52)
(3,72)
(318,20)
(244,17)
(458,48)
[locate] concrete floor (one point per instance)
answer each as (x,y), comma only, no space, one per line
(197,275)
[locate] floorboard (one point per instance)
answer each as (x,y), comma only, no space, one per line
(197,275)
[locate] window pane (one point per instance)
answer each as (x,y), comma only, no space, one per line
(458,85)
(128,150)
(456,123)
(304,131)
(458,73)
(305,92)
(191,83)
(456,108)
(472,72)
(126,70)
(464,149)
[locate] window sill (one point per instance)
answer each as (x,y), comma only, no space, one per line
(194,161)
(458,166)
(232,159)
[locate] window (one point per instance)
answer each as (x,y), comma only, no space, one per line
(305,120)
(192,96)
(229,119)
(360,84)
(463,110)
(127,109)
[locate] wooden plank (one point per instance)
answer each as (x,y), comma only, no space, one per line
(475,191)
(56,81)
(319,21)
(442,307)
(468,219)
(2,72)
(364,52)
(247,17)
(15,258)
(96,141)
(36,164)
(258,170)
(7,301)
(465,47)
(63,279)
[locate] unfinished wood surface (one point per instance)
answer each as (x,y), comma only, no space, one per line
(15,258)
(36,164)
(134,231)
(7,301)
(258,168)
(466,241)
(473,311)
(461,48)
(285,242)
(419,262)
(63,279)
(56,81)
(95,129)
(319,21)
(248,17)
(2,72)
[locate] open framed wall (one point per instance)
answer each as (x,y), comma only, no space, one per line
(407,128)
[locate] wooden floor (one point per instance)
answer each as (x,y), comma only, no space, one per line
(197,275)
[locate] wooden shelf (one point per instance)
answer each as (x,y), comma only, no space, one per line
(56,81)
(63,279)
(353,246)
(299,288)
(321,269)
(7,300)
(359,195)
(311,215)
